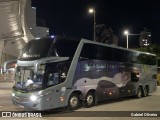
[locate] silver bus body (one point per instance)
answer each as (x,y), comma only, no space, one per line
(107,79)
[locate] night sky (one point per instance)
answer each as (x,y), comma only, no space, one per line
(71,17)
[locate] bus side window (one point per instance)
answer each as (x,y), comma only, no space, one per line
(134,77)
(53,79)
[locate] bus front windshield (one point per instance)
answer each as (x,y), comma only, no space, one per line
(26,79)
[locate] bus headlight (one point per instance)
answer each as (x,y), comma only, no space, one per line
(13,94)
(33,98)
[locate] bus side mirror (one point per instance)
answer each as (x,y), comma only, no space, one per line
(135,77)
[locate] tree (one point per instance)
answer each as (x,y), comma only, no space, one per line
(105,35)
(154,49)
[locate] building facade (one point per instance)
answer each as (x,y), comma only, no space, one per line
(145,38)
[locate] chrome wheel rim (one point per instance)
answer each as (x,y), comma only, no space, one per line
(74,101)
(139,93)
(145,92)
(90,99)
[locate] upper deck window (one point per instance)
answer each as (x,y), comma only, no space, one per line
(47,47)
(36,49)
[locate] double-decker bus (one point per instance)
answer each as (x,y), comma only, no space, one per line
(64,71)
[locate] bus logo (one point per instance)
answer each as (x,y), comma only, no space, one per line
(6,114)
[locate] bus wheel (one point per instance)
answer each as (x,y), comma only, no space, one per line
(90,99)
(139,92)
(74,102)
(145,92)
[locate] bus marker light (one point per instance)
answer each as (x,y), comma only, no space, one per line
(62,98)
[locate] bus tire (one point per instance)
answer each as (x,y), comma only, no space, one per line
(74,102)
(145,92)
(139,92)
(89,99)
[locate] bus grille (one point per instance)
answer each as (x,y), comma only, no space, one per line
(21,99)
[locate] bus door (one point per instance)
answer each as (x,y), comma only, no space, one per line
(52,81)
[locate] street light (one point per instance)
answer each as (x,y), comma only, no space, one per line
(91,10)
(127,34)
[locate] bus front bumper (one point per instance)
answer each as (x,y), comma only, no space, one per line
(26,103)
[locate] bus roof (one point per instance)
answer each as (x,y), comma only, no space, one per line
(113,46)
(58,46)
